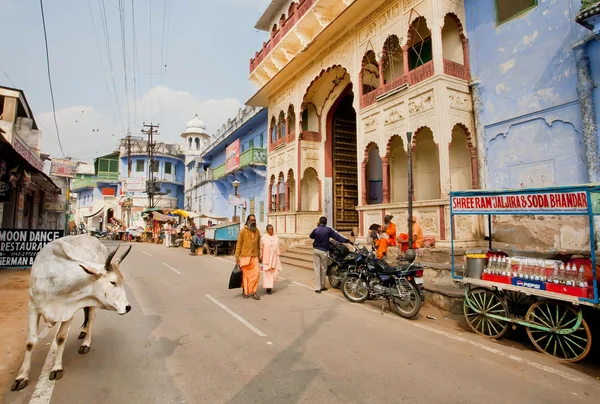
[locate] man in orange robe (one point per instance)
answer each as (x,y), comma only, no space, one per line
(390,231)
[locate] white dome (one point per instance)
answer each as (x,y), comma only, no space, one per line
(195,126)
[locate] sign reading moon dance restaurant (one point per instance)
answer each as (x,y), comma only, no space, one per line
(18,248)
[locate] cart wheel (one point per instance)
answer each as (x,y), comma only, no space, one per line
(483,302)
(518,303)
(556,317)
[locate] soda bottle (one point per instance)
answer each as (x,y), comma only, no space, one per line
(502,266)
(515,270)
(581,277)
(561,274)
(569,275)
(555,277)
(508,269)
(535,269)
(488,268)
(520,269)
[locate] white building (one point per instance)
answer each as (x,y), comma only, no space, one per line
(196,140)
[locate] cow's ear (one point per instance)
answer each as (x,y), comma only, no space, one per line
(90,270)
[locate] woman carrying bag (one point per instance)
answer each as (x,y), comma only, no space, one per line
(271,264)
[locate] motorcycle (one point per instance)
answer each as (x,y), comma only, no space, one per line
(342,261)
(374,278)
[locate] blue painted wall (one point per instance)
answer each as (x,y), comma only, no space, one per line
(593,51)
(252,181)
(528,80)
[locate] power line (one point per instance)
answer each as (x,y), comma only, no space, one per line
(135,62)
(6,74)
(163,55)
(50,78)
(124,51)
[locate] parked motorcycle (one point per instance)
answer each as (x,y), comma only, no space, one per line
(401,285)
(343,261)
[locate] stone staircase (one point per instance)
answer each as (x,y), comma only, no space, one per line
(300,256)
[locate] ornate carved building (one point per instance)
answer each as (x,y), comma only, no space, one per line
(344,80)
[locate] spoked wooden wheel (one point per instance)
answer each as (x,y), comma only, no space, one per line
(556,332)
(480,303)
(518,303)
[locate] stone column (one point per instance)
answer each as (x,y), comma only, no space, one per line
(476,91)
(287,196)
(364,182)
(474,169)
(466,63)
(405,61)
(386,180)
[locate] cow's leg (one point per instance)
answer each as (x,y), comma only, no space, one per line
(86,320)
(32,338)
(61,339)
(87,330)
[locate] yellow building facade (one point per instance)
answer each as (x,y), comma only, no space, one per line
(344,81)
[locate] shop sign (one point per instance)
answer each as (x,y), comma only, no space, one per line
(130,185)
(547,202)
(232,156)
(529,284)
(63,168)
(4,183)
(18,248)
(25,151)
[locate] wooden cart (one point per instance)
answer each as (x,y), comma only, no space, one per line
(222,238)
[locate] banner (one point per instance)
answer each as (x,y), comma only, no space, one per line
(235,200)
(548,202)
(63,168)
(232,156)
(133,184)
(25,151)
(18,248)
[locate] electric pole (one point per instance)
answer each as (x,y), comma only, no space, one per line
(128,153)
(150,131)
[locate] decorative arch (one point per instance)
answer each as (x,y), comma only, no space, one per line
(392,60)
(272,195)
(273,130)
(319,76)
(282,20)
(418,51)
(426,165)
(311,191)
(397,160)
(369,73)
(292,9)
(471,157)
(455,48)
(274,30)
(373,175)
(291,121)
(290,199)
(281,126)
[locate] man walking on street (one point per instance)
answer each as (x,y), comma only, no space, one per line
(321,235)
(247,253)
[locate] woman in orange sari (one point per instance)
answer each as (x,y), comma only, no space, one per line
(269,251)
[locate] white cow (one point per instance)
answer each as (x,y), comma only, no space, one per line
(69,274)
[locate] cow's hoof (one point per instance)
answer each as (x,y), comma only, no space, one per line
(84,349)
(56,374)
(82,334)
(19,384)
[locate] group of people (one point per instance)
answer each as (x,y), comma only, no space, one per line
(255,254)
(385,236)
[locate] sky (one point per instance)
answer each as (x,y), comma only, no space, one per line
(199,65)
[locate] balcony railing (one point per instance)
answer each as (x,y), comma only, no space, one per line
(292,19)
(413,77)
(455,70)
(281,141)
(107,176)
(81,183)
(250,156)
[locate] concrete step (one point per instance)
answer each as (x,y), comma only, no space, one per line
(297,263)
(303,248)
(447,298)
(298,256)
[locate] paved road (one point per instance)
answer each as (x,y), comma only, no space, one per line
(190,339)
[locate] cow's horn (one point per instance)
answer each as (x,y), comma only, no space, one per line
(109,258)
(124,255)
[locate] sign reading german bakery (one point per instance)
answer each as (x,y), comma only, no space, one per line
(530,202)
(18,248)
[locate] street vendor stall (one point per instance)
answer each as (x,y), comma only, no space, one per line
(222,237)
(548,296)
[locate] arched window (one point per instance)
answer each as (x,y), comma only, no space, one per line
(455,48)
(393,63)
(190,143)
(461,175)
(291,186)
(273,130)
(310,191)
(273,194)
(398,170)
(420,48)
(282,125)
(374,176)
(282,20)
(369,73)
(292,9)
(274,30)
(281,192)
(291,120)
(427,166)
(310,119)
(197,142)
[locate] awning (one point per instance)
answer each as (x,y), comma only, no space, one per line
(181,212)
(160,217)
(203,216)
(94,214)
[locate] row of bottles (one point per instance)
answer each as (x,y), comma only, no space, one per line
(537,270)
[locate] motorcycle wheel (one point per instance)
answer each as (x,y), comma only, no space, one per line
(354,289)
(409,309)
(335,277)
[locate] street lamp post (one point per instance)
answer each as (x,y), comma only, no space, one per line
(410,253)
(235,184)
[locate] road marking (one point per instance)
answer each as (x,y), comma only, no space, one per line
(146,253)
(171,268)
(44,387)
(223,259)
(236,316)
(479,345)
